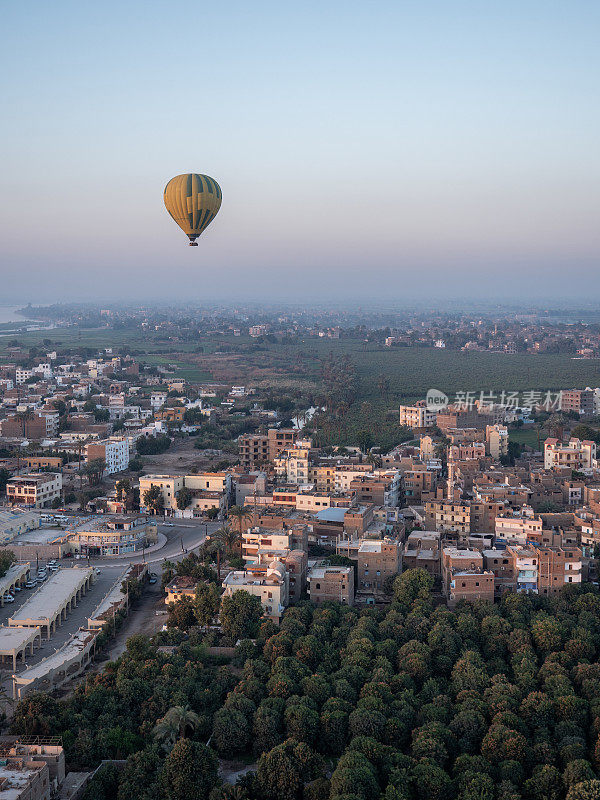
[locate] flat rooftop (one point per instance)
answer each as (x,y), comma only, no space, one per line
(52,595)
(14,638)
(72,648)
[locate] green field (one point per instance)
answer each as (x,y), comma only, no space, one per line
(411,371)
(527,436)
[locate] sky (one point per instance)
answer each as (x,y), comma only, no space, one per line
(364,149)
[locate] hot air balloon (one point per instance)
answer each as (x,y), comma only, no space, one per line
(193,201)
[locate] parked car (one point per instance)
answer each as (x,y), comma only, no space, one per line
(98,571)
(152,580)
(8,598)
(31,584)
(168,525)
(53,567)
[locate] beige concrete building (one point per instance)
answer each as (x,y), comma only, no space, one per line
(168,484)
(268,582)
(38,489)
(496,439)
(447,515)
(113,535)
(180,587)
(417,416)
(576,455)
(331,583)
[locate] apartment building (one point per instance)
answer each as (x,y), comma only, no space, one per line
(253,450)
(496,439)
(169,485)
(170,414)
(279,439)
(382,489)
(466,451)
(451,418)
(519,526)
(464,576)
(292,465)
(377,561)
(447,515)
(422,551)
(36,489)
(331,584)
(114,452)
(558,566)
(575,455)
(42,424)
(268,582)
(502,563)
(581,401)
(419,483)
(471,586)
(417,416)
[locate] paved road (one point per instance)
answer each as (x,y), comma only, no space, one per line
(189,534)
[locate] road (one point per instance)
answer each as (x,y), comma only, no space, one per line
(190,534)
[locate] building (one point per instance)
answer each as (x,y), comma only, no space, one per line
(113,535)
(377,561)
(31,771)
(36,425)
(279,439)
(253,450)
(581,401)
(268,582)
(519,526)
(576,455)
(170,414)
(417,416)
(331,583)
(464,577)
(114,452)
(558,566)
(292,464)
(169,485)
(37,489)
(496,439)
(448,515)
(180,587)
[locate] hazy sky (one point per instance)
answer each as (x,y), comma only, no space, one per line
(363,148)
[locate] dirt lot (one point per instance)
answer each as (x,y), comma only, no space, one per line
(180,458)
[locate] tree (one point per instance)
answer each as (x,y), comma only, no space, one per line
(207,602)
(94,470)
(231,732)
(7,557)
(241,514)
(140,775)
(586,790)
(365,440)
(413,584)
(184,498)
(177,723)
(182,614)
(283,771)
(190,771)
(154,500)
(240,615)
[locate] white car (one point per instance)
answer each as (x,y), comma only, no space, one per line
(168,525)
(31,584)
(53,567)
(8,598)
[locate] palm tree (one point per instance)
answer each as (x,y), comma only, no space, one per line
(25,417)
(177,723)
(242,514)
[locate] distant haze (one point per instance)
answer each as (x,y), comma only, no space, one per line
(365,150)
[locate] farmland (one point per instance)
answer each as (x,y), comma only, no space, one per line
(295,364)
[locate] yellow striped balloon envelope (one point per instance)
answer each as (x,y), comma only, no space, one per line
(193,201)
